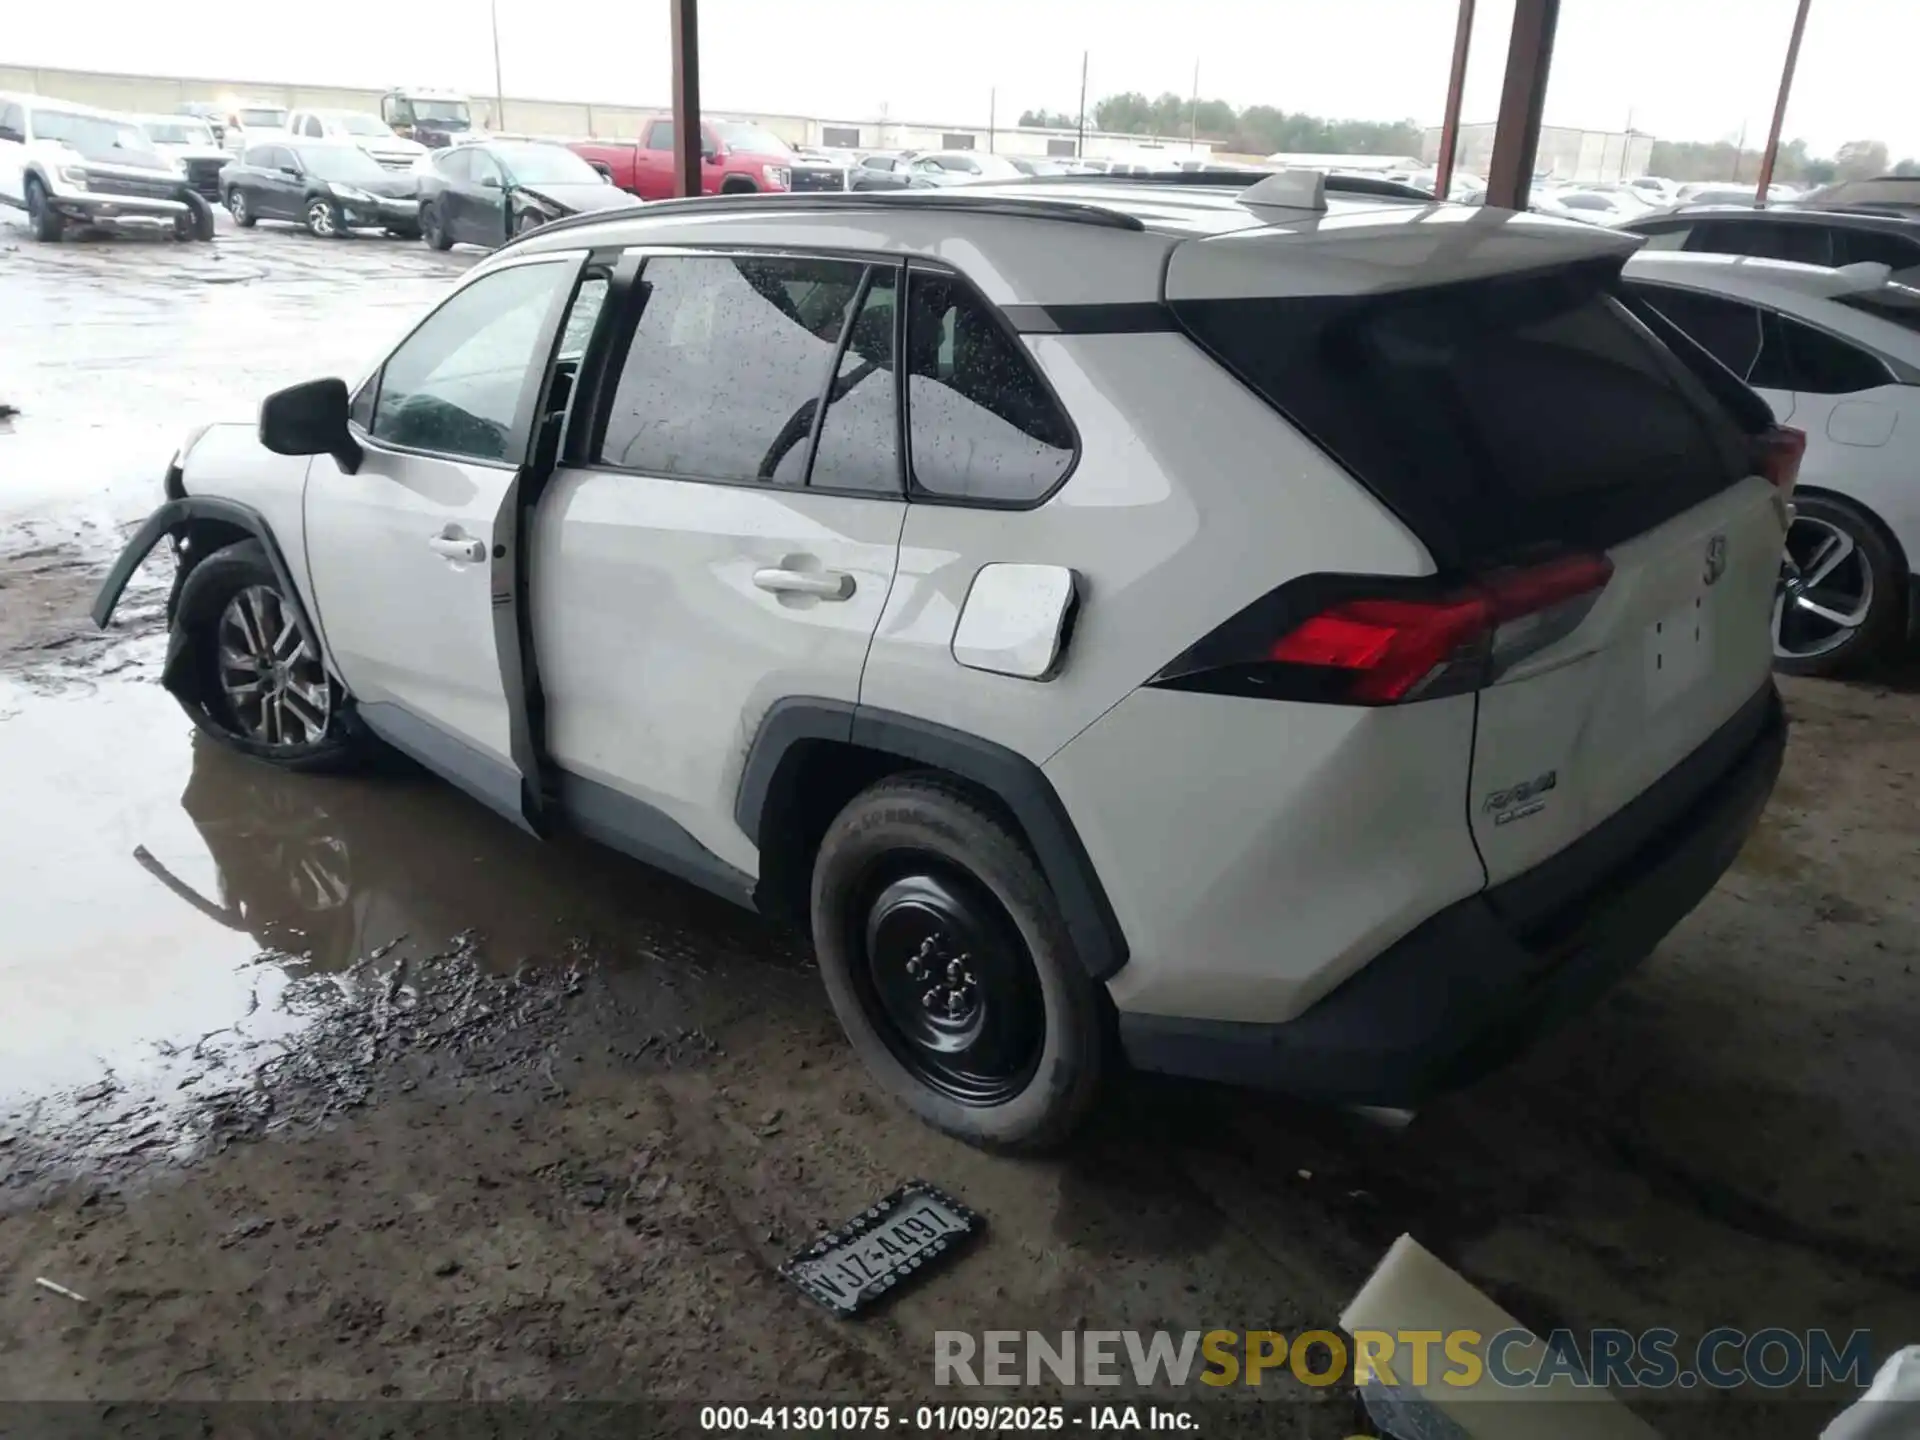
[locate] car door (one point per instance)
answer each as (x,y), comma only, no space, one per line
(283,185)
(413,567)
(715,541)
(480,204)
(653,162)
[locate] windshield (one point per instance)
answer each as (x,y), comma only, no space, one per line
(442,112)
(347,163)
(97,137)
(751,138)
(178,132)
(263,119)
(358,124)
(546,165)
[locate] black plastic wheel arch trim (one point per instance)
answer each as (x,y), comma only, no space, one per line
(1015,780)
(175,514)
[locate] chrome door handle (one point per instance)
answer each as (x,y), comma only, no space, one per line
(459,547)
(821,584)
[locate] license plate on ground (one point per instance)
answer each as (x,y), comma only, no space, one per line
(881,1248)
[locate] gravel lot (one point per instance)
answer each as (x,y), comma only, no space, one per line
(346,1090)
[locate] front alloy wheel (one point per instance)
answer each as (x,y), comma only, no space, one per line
(322,219)
(275,687)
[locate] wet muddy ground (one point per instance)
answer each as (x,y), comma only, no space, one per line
(344,1089)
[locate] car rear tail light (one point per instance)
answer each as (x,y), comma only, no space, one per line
(1351,640)
(1777,455)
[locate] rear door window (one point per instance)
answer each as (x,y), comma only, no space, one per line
(982,424)
(859,444)
(729,359)
(1491,415)
(660,135)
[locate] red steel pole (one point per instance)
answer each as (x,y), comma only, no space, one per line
(686,97)
(1456,84)
(1780,105)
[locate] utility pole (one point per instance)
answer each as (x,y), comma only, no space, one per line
(1080,146)
(684,37)
(1780,105)
(499,96)
(1626,144)
(993,98)
(1739,151)
(1193,114)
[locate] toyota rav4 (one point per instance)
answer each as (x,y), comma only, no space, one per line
(1296,641)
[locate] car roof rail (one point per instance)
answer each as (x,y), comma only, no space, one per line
(1020,206)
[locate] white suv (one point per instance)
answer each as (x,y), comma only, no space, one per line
(1304,643)
(361,128)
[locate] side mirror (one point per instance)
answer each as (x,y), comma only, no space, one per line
(7,132)
(310,419)
(491,182)
(293,170)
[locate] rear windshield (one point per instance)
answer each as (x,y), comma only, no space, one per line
(1492,416)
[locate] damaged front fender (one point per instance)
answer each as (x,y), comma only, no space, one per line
(176,517)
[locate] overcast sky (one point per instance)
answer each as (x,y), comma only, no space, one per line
(1684,69)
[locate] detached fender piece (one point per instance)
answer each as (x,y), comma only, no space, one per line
(1008,776)
(182,510)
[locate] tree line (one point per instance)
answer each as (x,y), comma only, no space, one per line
(1265,130)
(1256,130)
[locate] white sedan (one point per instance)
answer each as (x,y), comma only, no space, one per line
(1836,353)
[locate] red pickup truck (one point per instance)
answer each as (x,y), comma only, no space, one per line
(734,156)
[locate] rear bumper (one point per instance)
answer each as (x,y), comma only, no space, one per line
(1471,987)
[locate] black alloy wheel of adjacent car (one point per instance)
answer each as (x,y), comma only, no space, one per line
(241,211)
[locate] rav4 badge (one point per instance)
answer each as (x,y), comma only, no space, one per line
(1517,802)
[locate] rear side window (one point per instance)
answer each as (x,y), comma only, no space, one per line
(1730,331)
(660,135)
(1492,415)
(1669,237)
(1817,363)
(859,445)
(982,424)
(727,365)
(1897,303)
(1772,240)
(1879,247)
(456,165)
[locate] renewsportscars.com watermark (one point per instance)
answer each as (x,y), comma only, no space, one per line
(1723,1359)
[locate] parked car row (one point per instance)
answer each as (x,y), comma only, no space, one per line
(482,193)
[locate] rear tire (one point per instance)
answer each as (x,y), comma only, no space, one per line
(431,230)
(241,211)
(1839,567)
(47,224)
(245,675)
(950,967)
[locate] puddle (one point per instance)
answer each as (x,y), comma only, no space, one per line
(199,946)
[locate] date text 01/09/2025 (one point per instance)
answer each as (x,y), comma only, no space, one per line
(944,1419)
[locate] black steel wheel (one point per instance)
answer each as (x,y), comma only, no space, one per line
(948,972)
(950,966)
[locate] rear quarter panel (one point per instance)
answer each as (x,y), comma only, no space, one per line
(1190,499)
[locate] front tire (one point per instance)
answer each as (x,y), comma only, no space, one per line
(46,222)
(324,219)
(246,675)
(1841,602)
(197,224)
(950,967)
(241,211)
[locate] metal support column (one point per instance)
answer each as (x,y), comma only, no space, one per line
(1516,135)
(686,97)
(1780,105)
(1456,83)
